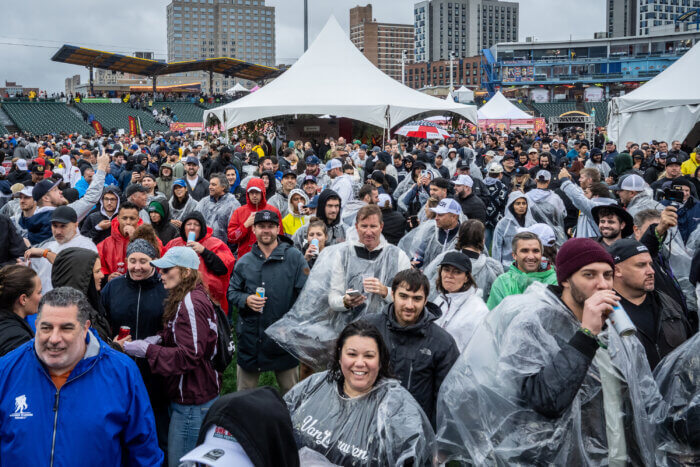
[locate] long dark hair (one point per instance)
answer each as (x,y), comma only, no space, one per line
(466,286)
(15,280)
(363,329)
(189,279)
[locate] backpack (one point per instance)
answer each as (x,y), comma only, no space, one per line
(225,347)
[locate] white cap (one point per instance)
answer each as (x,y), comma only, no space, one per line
(544,174)
(490,153)
(21,164)
(253,188)
(384,200)
(494,168)
(543,231)
(447,206)
(464,180)
(219,449)
(532,150)
(334,164)
(26,191)
(630,183)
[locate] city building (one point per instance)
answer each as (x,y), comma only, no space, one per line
(72,82)
(648,17)
(382,43)
(242,29)
(462,27)
(465,72)
(565,69)
(12,89)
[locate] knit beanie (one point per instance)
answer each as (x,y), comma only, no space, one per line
(155,206)
(141,246)
(577,253)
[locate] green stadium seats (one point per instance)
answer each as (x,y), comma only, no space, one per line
(3,130)
(45,117)
(601,111)
(117,116)
(553,109)
(185,111)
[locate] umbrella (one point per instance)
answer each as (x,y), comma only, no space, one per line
(422,129)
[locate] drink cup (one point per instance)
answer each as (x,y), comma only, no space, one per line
(123,332)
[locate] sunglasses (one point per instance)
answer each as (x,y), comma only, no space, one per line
(165,270)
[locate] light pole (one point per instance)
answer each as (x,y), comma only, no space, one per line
(452,58)
(306,25)
(403,66)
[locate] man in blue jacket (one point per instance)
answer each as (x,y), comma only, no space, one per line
(66,398)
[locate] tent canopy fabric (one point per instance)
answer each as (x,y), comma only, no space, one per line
(664,108)
(464,94)
(313,85)
(237,88)
(500,108)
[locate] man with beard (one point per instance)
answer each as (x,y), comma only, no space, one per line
(660,320)
(613,222)
(328,210)
(280,199)
(440,238)
(278,267)
(197,187)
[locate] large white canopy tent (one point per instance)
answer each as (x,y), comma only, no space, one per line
(315,85)
(237,88)
(464,94)
(665,108)
(500,108)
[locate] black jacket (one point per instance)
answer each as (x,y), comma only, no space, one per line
(473,207)
(283,275)
(421,354)
(14,331)
(259,420)
(394,226)
(11,243)
(164,229)
(200,190)
(87,229)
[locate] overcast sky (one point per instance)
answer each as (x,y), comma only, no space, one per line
(141,25)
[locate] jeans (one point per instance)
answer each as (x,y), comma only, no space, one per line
(286,379)
(185,421)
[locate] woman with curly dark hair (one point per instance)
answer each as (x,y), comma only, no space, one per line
(356,413)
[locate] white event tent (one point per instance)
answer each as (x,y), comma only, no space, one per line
(316,85)
(500,108)
(665,108)
(464,94)
(237,88)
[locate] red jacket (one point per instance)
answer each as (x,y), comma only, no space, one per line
(184,357)
(240,234)
(216,285)
(112,249)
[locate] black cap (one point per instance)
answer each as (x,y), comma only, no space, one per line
(520,171)
(134,188)
(673,160)
(38,169)
(64,215)
(458,260)
(620,212)
(596,151)
(626,248)
(43,187)
(681,181)
(289,173)
(638,153)
(266,216)
(462,164)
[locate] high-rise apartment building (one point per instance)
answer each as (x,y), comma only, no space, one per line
(622,18)
(200,29)
(462,27)
(382,43)
(646,17)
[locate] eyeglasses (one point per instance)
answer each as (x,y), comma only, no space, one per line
(165,270)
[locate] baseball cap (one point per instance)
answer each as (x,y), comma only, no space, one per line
(64,215)
(631,182)
(134,188)
(178,256)
(21,164)
(180,182)
(43,187)
(220,448)
(464,180)
(26,191)
(313,160)
(543,231)
(253,188)
(508,155)
(626,248)
(544,175)
(192,160)
(660,155)
(38,169)
(673,160)
(309,178)
(334,164)
(384,201)
(447,206)
(266,216)
(451,150)
(490,153)
(376,149)
(462,164)
(495,168)
(520,171)
(531,150)
(313,204)
(289,173)
(458,260)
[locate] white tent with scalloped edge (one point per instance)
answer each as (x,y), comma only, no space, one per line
(665,108)
(333,77)
(500,108)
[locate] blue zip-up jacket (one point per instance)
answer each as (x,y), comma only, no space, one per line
(101,416)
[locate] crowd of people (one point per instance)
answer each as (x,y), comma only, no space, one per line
(506,298)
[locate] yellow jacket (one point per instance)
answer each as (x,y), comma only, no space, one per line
(259,150)
(688,167)
(292,223)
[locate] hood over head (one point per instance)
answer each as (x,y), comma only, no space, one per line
(321,209)
(296,191)
(196,215)
(260,185)
(73,268)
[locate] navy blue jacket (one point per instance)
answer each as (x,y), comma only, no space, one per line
(100,416)
(38,226)
(688,217)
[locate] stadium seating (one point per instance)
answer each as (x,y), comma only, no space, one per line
(117,116)
(45,117)
(3,130)
(553,109)
(184,111)
(601,111)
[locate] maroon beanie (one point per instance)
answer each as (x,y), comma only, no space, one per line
(577,253)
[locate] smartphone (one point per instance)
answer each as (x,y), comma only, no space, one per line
(425,173)
(353,293)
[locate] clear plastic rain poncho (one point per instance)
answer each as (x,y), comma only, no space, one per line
(546,212)
(485,270)
(680,258)
(425,244)
(179,213)
(310,328)
(506,229)
(483,418)
(385,427)
(462,313)
(678,434)
(218,214)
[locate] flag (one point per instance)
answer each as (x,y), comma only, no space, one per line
(133,130)
(98,128)
(138,125)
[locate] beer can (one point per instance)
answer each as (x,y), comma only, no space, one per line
(191,237)
(621,322)
(123,332)
(260,292)
(121,268)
